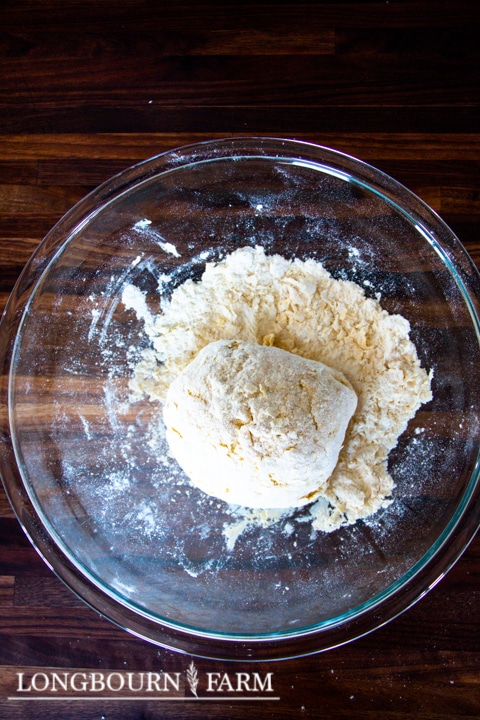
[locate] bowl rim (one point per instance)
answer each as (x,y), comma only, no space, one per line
(385,606)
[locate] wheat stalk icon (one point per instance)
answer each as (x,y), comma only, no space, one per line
(192,678)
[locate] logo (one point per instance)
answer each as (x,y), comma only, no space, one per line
(191,684)
(192,678)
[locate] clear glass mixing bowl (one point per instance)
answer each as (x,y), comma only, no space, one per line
(79,459)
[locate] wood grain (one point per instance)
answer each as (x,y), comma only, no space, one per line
(88,88)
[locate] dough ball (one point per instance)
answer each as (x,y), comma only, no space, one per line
(256,425)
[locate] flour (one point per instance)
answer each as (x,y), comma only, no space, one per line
(297,306)
(143,227)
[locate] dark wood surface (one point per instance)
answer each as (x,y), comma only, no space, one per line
(88,88)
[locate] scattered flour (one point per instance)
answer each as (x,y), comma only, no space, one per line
(297,306)
(143,226)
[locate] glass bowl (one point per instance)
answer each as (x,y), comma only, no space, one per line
(124,529)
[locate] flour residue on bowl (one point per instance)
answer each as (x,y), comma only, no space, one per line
(299,307)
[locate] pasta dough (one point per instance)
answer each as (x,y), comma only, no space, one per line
(258,426)
(296,305)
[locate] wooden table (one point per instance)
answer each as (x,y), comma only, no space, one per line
(88,88)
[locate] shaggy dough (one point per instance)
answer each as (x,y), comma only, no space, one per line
(256,425)
(298,306)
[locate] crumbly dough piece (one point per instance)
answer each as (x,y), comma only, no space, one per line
(298,306)
(256,425)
